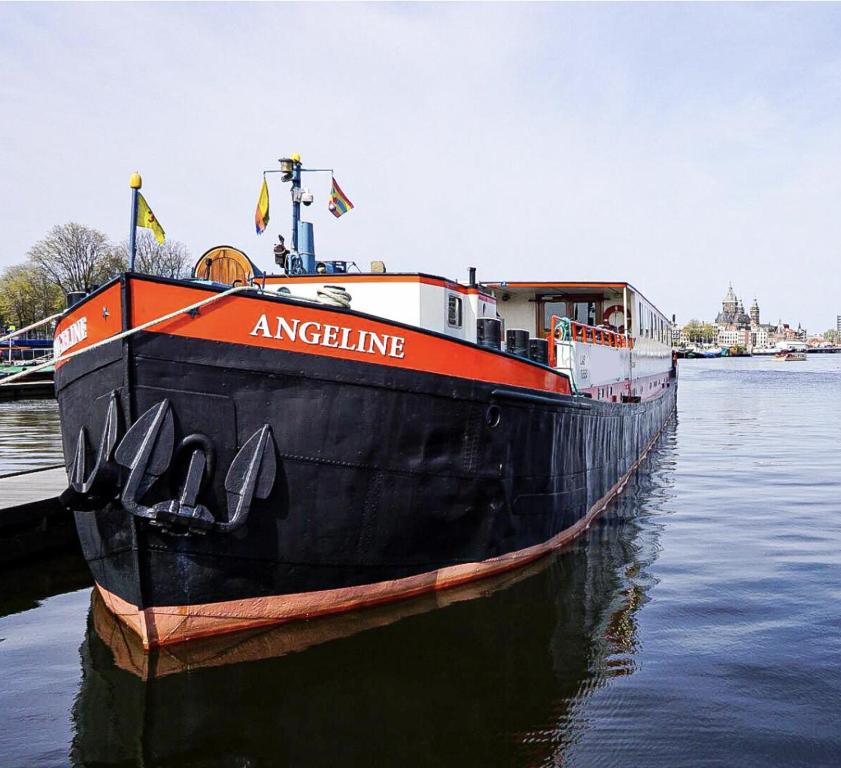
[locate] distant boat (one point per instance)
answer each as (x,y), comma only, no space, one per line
(8,369)
(790,356)
(791,346)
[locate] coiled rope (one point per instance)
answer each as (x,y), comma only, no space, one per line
(334,295)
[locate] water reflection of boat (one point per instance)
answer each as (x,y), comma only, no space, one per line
(442,680)
(277,641)
(23,587)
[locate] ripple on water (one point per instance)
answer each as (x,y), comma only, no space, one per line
(29,435)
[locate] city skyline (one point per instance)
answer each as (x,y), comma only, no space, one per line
(764,317)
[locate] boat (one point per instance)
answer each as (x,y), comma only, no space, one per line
(246,449)
(43,374)
(790,356)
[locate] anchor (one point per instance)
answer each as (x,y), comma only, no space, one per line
(185,513)
(252,473)
(147,452)
(91,491)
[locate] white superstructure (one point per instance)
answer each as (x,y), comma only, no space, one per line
(424,301)
(608,336)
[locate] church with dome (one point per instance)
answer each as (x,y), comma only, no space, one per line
(739,328)
(733,315)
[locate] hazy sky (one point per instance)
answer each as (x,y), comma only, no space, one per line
(676,146)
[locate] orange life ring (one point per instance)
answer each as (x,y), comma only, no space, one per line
(612,310)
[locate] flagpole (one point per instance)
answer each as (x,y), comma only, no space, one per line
(296,200)
(135,183)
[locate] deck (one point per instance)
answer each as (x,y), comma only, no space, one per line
(32,519)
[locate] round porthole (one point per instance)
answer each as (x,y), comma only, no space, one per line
(493,416)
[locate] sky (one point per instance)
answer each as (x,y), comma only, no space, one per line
(680,147)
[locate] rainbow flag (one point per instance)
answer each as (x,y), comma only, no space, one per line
(261,215)
(339,202)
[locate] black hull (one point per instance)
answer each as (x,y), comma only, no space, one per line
(382,474)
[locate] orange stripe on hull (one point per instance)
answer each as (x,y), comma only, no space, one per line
(235,320)
(103,318)
(164,625)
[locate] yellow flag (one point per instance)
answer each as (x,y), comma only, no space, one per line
(261,215)
(145,218)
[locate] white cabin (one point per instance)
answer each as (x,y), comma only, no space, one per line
(420,300)
(608,337)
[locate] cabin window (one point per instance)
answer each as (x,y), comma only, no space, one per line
(454,310)
(550,308)
(584,312)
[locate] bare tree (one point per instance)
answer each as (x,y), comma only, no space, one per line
(76,258)
(27,294)
(167,259)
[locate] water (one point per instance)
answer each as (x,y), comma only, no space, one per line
(698,624)
(29,435)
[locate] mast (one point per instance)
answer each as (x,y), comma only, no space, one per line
(301,258)
(296,199)
(135,182)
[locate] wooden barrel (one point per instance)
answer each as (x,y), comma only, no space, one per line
(224,264)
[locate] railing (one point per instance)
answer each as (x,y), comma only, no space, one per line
(562,329)
(21,331)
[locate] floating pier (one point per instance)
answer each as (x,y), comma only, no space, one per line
(32,519)
(26,390)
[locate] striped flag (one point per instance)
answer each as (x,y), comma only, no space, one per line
(261,215)
(339,202)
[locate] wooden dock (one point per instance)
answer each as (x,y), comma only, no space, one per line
(32,520)
(24,390)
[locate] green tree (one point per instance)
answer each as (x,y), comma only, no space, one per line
(692,331)
(76,258)
(27,295)
(709,333)
(832,336)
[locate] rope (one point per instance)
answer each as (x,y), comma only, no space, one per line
(334,295)
(30,327)
(565,327)
(330,295)
(129,332)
